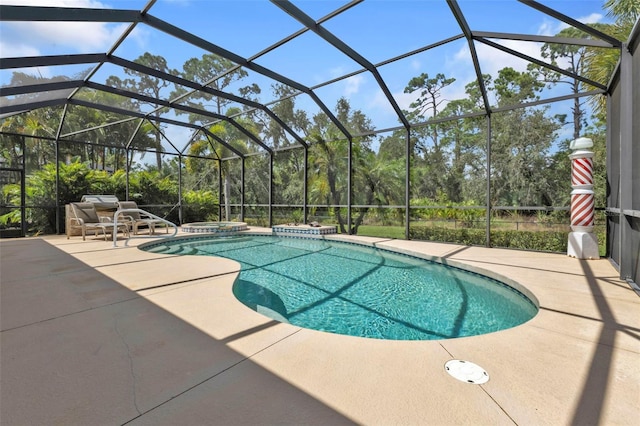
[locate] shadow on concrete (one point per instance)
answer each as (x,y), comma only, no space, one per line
(79,348)
(590,406)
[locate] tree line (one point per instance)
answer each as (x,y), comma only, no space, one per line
(448,161)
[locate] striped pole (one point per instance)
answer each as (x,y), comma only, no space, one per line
(582,200)
(583,244)
(582,170)
(582,207)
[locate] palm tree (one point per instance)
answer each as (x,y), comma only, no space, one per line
(600,64)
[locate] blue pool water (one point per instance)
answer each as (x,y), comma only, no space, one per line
(358,290)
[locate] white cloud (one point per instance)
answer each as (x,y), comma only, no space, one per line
(13,50)
(492,60)
(42,38)
(81,37)
(352,85)
(141,36)
(551,28)
(592,18)
(349,86)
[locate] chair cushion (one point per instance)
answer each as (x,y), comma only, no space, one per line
(85,211)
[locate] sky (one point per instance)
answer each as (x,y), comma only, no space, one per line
(376,29)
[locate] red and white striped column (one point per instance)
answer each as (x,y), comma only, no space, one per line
(582,204)
(582,242)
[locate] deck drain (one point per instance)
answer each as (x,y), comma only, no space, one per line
(466,371)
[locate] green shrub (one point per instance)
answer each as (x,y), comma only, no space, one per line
(550,241)
(199,206)
(466,212)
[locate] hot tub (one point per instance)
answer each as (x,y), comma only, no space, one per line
(224,228)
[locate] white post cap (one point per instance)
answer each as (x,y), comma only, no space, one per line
(581,143)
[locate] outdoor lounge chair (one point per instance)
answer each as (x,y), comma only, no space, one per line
(140,219)
(85,217)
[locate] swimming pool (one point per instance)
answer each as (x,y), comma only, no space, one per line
(359,290)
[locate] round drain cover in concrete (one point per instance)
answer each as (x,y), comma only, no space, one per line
(466,371)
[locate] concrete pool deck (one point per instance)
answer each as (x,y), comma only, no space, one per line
(95,335)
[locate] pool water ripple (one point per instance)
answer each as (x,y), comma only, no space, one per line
(359,290)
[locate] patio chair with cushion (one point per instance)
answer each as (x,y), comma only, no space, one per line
(85,217)
(140,218)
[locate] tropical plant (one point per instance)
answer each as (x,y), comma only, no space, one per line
(200,206)
(600,64)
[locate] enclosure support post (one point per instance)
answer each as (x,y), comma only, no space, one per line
(64,114)
(305,196)
(242,189)
(407,184)
(349,167)
(628,259)
(488,195)
(57,190)
(180,189)
(23,188)
(126,168)
(270,189)
(219,189)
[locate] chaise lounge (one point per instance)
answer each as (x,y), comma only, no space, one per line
(85,217)
(139,218)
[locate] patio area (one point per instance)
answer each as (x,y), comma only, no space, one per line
(93,334)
